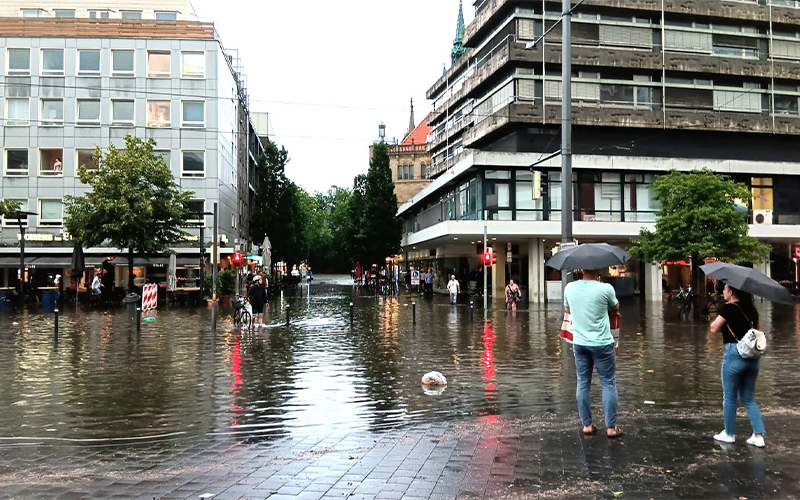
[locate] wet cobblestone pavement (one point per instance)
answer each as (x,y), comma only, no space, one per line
(321,409)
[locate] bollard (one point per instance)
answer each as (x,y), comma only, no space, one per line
(351,314)
(413,312)
(55,326)
(287,314)
(138,319)
(471,310)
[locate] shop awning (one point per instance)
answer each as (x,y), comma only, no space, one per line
(51,261)
(122,261)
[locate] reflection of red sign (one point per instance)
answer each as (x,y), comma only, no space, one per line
(796,251)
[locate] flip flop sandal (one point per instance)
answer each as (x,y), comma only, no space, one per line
(592,432)
(617,434)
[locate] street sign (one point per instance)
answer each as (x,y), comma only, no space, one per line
(414,278)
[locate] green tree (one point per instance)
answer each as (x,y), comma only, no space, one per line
(698,220)
(134,202)
(383,227)
(356,229)
(8,208)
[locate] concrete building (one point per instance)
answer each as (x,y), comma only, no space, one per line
(656,86)
(73,82)
(410,160)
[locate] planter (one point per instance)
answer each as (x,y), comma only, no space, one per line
(225,300)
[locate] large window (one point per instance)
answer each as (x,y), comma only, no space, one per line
(66,13)
(640,202)
(89,112)
(52,62)
(51,162)
(88,63)
(158,114)
(12,221)
(193,114)
(131,14)
(84,158)
(121,63)
(17,112)
(50,213)
(196,209)
(98,14)
(166,15)
(19,62)
(32,13)
(786,104)
(52,113)
(193,164)
(165,155)
(193,65)
(16,162)
(122,112)
(158,64)
(528,207)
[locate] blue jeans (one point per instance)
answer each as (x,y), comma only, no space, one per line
(739,380)
(453,297)
(586,358)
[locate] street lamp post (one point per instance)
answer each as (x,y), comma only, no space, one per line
(19,214)
(202,217)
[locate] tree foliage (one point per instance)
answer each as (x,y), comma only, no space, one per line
(134,202)
(697,221)
(383,229)
(9,207)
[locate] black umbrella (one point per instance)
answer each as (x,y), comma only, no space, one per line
(588,256)
(78,264)
(748,280)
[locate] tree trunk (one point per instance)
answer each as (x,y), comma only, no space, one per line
(131,286)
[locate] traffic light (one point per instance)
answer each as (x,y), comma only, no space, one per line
(489,257)
(236,259)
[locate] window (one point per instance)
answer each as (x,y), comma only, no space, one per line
(121,112)
(193,65)
(16,162)
(52,62)
(131,14)
(121,63)
(98,14)
(51,162)
(12,220)
(166,15)
(32,13)
(786,104)
(193,164)
(19,62)
(158,64)
(88,63)
(52,114)
(748,101)
(196,209)
(164,156)
(64,12)
(17,112)
(50,213)
(89,112)
(84,158)
(158,114)
(193,114)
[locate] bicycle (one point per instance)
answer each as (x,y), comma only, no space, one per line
(242,313)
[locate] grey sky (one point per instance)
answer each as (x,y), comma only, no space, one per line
(329,72)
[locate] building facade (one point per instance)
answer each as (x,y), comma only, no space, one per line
(410,160)
(74,83)
(656,86)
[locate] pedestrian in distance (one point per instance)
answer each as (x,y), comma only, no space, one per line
(589,302)
(258,300)
(454,288)
(96,284)
(513,295)
(429,281)
(309,276)
(736,317)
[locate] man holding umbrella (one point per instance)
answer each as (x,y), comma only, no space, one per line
(589,302)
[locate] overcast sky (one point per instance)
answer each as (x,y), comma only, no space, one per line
(329,72)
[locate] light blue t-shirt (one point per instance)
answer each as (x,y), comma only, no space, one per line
(588,302)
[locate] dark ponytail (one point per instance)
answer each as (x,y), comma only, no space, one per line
(746,304)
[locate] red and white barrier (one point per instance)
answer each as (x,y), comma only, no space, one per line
(149,297)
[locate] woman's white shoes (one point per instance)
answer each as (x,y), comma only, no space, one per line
(725,438)
(756,441)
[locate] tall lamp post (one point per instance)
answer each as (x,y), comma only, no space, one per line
(19,214)
(201,216)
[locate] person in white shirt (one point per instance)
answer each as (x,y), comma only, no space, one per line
(454,288)
(96,284)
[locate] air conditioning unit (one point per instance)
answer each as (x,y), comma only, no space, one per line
(762,217)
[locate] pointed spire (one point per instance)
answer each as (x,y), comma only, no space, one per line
(458,47)
(411,123)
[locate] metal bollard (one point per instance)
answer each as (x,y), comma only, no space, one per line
(287,314)
(138,319)
(55,326)
(351,314)
(413,312)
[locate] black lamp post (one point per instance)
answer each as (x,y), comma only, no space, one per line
(19,214)
(202,242)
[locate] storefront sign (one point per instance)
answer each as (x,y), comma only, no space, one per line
(414,278)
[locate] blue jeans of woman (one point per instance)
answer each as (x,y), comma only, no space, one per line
(739,381)
(603,357)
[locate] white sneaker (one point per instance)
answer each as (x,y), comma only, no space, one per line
(756,441)
(725,438)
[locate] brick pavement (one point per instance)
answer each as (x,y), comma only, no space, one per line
(664,454)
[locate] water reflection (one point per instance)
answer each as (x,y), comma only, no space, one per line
(181,376)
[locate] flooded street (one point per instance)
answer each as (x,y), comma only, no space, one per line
(105,389)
